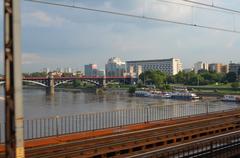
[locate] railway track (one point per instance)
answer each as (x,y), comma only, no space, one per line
(128,143)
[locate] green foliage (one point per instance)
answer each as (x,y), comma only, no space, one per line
(201,78)
(76,83)
(166,87)
(235,85)
(155,77)
(231,77)
(132,90)
(140,85)
(180,77)
(35,74)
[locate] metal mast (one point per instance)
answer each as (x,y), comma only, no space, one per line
(13,75)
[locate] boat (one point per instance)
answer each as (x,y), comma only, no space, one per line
(231,98)
(167,95)
(153,94)
(184,96)
(142,94)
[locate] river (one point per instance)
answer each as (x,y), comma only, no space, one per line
(37,104)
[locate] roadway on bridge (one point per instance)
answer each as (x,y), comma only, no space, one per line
(135,139)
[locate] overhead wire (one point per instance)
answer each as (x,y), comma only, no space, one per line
(132,15)
(213,6)
(194,6)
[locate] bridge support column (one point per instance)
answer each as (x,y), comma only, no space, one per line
(50,89)
(103,83)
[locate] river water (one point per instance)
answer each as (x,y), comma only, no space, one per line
(37,104)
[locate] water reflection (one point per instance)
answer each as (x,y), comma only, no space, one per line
(37,104)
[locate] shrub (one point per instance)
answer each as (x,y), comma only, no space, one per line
(235,85)
(132,89)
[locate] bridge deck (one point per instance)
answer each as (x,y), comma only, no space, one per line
(101,143)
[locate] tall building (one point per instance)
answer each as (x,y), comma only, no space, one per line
(217,67)
(59,70)
(200,66)
(225,69)
(169,66)
(68,70)
(115,67)
(46,70)
(100,73)
(90,70)
(235,67)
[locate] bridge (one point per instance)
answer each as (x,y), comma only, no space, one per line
(51,82)
(143,132)
(158,131)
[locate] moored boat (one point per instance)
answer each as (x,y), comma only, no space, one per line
(231,98)
(142,94)
(167,95)
(184,96)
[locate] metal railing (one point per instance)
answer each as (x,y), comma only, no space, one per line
(60,125)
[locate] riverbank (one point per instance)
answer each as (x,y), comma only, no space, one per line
(200,91)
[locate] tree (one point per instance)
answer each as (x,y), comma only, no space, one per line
(158,78)
(180,77)
(171,79)
(38,74)
(132,89)
(145,76)
(76,83)
(231,77)
(155,77)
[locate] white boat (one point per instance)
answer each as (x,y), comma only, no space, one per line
(184,95)
(231,98)
(142,94)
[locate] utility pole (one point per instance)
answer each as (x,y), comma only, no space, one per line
(14,141)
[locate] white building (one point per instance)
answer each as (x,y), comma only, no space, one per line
(59,70)
(68,70)
(169,66)
(115,67)
(46,70)
(200,66)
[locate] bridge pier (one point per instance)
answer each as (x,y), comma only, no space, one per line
(50,88)
(103,82)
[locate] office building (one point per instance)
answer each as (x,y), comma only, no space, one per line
(115,67)
(217,67)
(90,70)
(235,67)
(46,70)
(200,66)
(68,70)
(169,66)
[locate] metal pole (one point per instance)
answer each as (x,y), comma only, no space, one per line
(13,76)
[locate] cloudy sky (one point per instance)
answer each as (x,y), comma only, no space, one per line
(63,37)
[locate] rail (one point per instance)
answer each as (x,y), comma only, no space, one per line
(224,145)
(61,125)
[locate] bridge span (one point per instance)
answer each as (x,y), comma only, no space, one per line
(210,135)
(51,82)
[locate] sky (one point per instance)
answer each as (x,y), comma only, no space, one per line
(62,37)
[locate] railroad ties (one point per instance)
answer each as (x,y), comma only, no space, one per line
(187,137)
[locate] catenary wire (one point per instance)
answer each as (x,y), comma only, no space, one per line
(133,16)
(213,6)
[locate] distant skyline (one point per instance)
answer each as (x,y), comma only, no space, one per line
(61,37)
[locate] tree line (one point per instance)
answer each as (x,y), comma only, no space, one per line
(159,78)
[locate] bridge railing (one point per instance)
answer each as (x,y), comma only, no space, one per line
(60,125)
